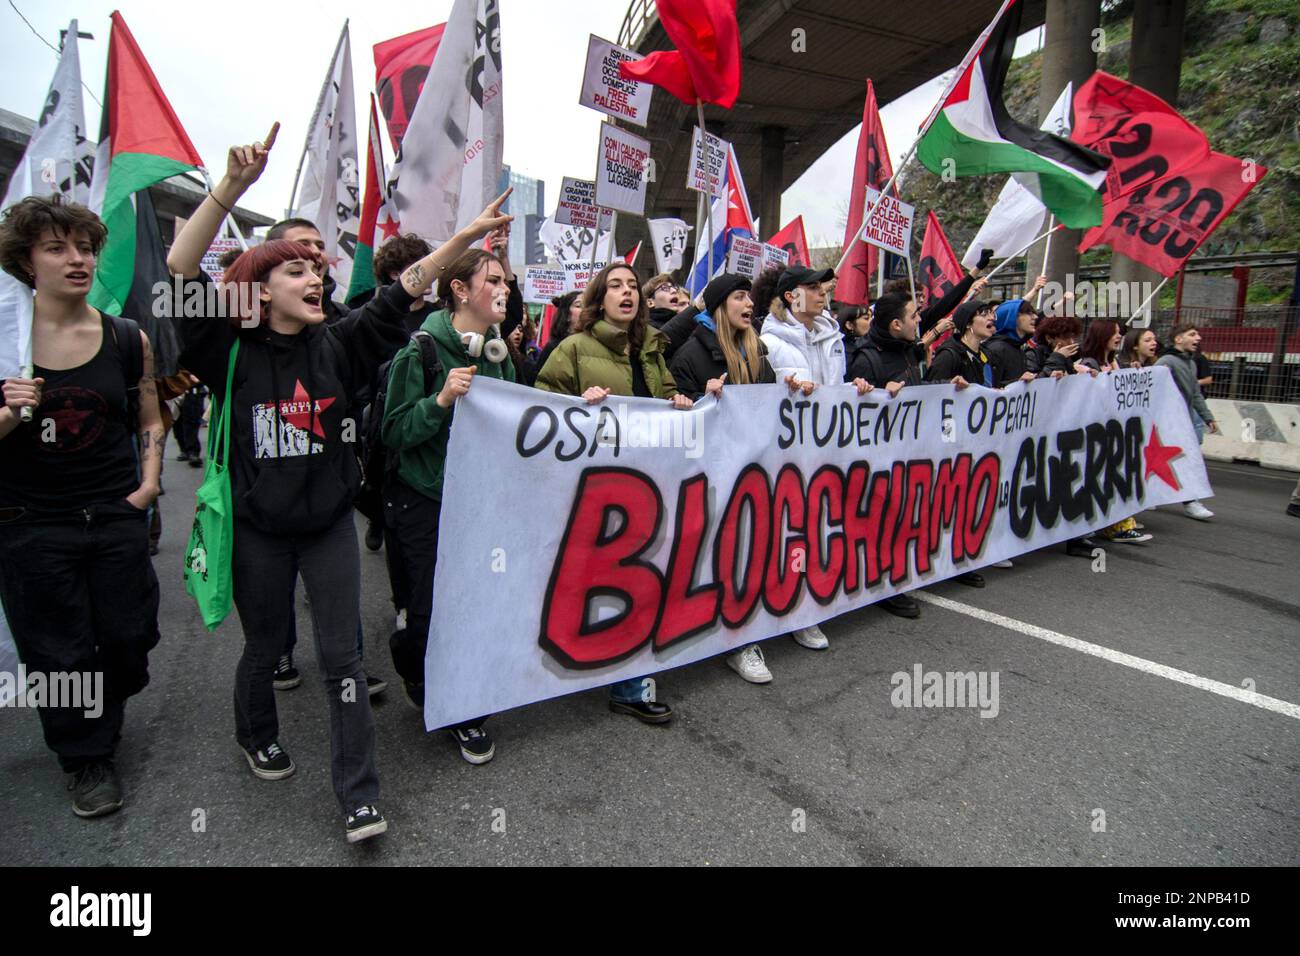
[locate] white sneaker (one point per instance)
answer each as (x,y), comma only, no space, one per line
(399,623)
(748,662)
(1194,509)
(811,638)
(1002,564)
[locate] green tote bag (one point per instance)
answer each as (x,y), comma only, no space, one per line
(208,575)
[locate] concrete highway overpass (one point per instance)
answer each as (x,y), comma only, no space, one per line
(794,106)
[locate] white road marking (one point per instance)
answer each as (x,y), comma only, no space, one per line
(1115,657)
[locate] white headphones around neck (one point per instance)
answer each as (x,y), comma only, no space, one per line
(494,350)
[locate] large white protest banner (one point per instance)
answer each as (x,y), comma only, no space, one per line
(621,170)
(707,172)
(331,179)
(604,90)
(542,284)
(54,161)
(449,165)
(669,239)
(658,537)
(890,224)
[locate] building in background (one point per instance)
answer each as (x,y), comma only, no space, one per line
(173,199)
(527,204)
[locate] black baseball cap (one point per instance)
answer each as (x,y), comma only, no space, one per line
(795,276)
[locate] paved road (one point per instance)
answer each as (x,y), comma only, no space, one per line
(1184,774)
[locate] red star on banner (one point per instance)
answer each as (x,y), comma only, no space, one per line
(1159,460)
(389,227)
(301,415)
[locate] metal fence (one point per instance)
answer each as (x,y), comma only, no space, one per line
(1254,352)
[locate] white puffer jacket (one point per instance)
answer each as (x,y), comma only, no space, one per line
(815,355)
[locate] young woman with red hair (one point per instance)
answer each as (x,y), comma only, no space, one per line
(294,471)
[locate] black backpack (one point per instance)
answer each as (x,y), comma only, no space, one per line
(378,462)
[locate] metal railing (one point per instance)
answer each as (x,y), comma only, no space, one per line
(641,15)
(1253,352)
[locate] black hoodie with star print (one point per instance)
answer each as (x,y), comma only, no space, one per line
(294,434)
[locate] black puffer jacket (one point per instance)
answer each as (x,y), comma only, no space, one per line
(1041,360)
(700,358)
(880,358)
(953,358)
(1007,356)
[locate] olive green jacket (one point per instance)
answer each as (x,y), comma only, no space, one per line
(599,357)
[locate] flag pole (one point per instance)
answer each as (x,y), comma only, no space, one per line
(699,232)
(1047,249)
(1017,255)
(1142,308)
(228,221)
(871,207)
(911,279)
(708,207)
(934,113)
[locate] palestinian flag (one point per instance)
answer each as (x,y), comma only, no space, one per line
(141,142)
(971,128)
(374,212)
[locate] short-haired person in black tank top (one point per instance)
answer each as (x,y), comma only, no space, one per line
(78,588)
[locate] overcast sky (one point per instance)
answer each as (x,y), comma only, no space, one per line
(231,68)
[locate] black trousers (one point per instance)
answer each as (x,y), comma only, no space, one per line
(81,596)
(188,424)
(265,567)
(412,519)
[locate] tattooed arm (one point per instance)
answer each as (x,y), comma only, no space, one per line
(151,435)
(418,277)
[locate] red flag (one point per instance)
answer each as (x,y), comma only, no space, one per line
(939,270)
(544,336)
(871,167)
(1143,136)
(630,257)
(401,64)
(793,240)
(1163,223)
(706,64)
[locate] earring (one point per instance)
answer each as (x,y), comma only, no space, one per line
(464,301)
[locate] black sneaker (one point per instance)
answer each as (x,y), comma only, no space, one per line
(374,536)
(475,744)
(364,823)
(1292,510)
(648,712)
(902,606)
(1080,547)
(96,790)
(286,676)
(375,685)
(972,579)
(414,694)
(270,763)
(196,461)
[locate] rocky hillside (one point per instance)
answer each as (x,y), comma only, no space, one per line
(1240,84)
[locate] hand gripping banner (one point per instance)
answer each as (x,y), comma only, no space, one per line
(582,544)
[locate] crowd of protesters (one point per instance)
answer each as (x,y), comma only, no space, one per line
(78,587)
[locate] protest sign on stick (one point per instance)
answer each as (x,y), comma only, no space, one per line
(608,92)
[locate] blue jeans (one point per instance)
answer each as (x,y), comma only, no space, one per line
(1199,424)
(628,691)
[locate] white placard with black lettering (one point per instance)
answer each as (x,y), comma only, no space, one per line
(544,283)
(621,170)
(605,91)
(707,172)
(890,224)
